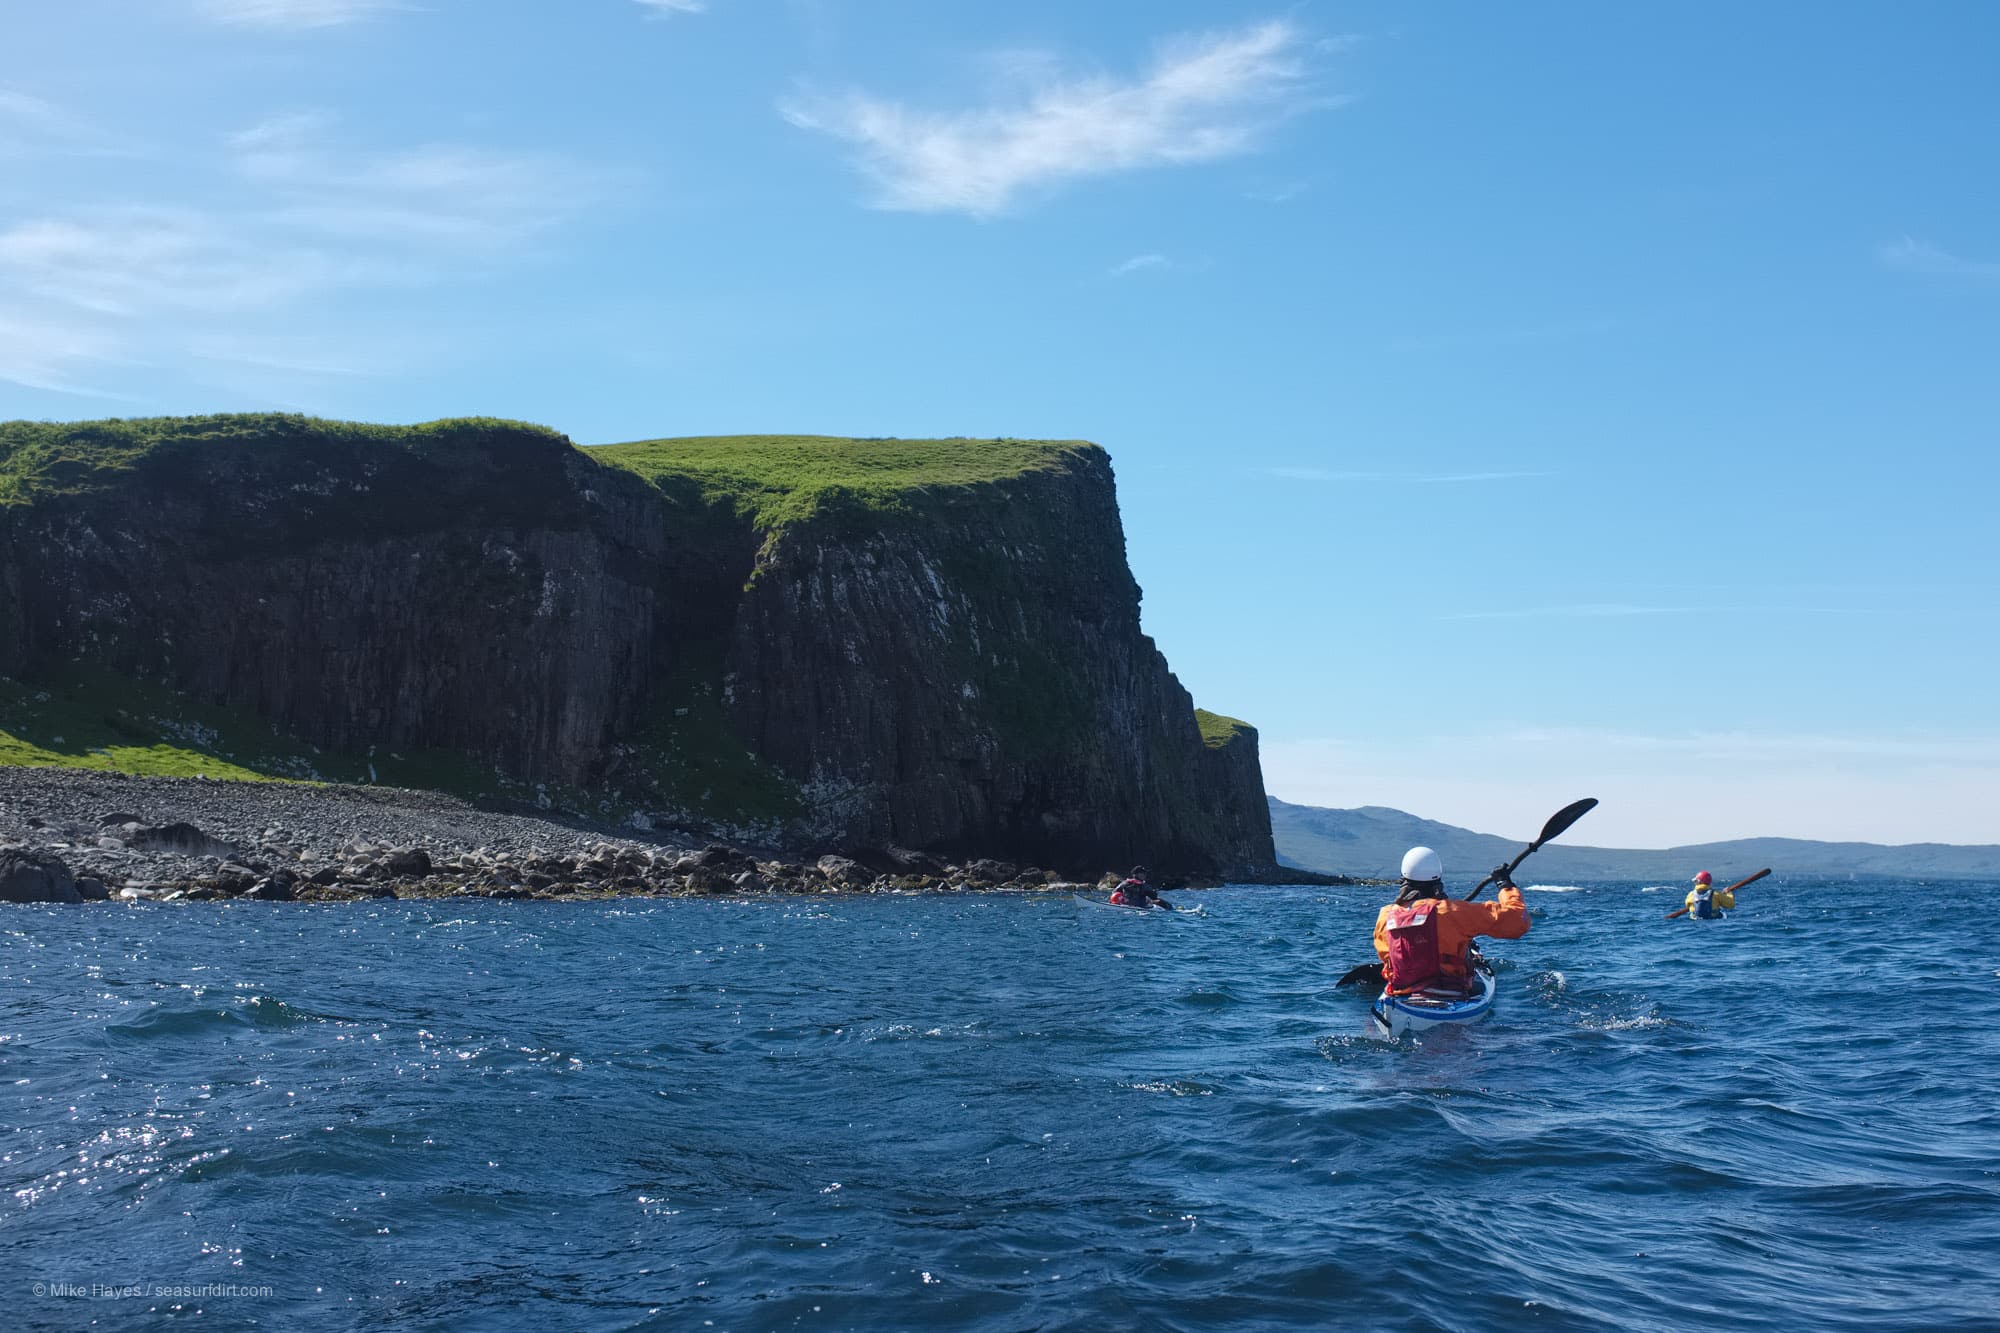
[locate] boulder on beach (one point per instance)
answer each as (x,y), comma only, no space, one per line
(843,871)
(412,861)
(179,836)
(716,856)
(708,879)
(35,877)
(894,860)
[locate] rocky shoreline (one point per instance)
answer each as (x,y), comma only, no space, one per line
(69,835)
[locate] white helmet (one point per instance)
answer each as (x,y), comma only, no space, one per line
(1421,864)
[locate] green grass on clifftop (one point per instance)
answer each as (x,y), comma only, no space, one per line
(1218,731)
(774,480)
(39,459)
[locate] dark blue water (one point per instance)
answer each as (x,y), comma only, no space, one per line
(995,1113)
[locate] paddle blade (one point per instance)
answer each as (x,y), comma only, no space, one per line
(1369,972)
(1563,818)
(1558,821)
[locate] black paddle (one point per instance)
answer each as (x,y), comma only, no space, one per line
(1731,889)
(1558,822)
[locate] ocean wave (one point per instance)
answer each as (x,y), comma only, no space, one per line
(1618,1023)
(172,1019)
(1178,1087)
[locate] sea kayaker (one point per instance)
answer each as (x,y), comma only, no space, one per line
(1705,902)
(1133,891)
(1424,938)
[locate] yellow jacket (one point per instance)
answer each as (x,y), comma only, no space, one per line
(1722,900)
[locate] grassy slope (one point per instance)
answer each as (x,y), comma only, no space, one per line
(113,723)
(775,480)
(692,755)
(1217,730)
(105,721)
(48,729)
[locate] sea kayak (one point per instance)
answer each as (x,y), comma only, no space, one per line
(1129,910)
(1426,1010)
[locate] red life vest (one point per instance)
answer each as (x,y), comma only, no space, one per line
(1413,946)
(1118,897)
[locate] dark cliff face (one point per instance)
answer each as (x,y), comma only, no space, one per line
(972,674)
(495,592)
(965,674)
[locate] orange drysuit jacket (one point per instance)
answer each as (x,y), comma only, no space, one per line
(1458,922)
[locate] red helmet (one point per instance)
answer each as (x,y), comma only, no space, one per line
(1702,877)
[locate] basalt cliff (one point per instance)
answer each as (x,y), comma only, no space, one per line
(855,644)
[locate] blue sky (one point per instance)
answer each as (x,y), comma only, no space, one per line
(1508,403)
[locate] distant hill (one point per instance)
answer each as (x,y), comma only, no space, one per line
(1370,842)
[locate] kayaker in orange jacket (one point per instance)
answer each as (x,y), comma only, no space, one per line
(1424,938)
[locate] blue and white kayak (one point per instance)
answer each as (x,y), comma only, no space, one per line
(1424,1011)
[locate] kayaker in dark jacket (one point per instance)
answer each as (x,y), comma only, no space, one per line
(1424,938)
(1133,891)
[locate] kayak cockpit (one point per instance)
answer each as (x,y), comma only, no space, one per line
(1423,1010)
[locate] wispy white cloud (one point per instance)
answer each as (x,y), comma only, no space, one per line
(1406,478)
(1281,193)
(34,125)
(291,355)
(1914,256)
(91,292)
(53,353)
(23,111)
(432,194)
(1203,98)
(667,8)
(1138,262)
(131,262)
(291,13)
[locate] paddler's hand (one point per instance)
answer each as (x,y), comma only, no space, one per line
(1503,878)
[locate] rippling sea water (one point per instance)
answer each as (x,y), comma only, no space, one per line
(995,1112)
